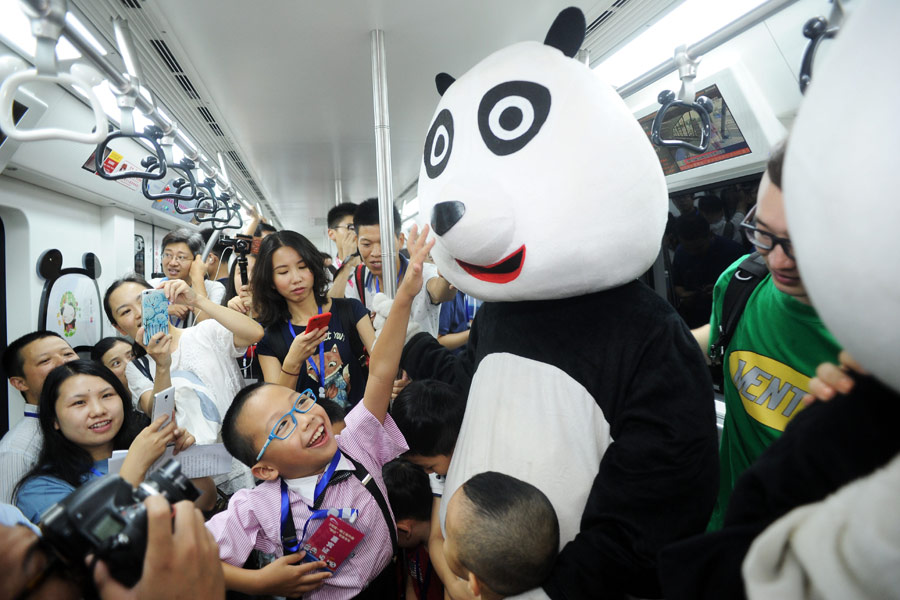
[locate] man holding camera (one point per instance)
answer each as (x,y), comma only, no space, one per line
(180,552)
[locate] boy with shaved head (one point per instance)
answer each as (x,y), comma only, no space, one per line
(502,537)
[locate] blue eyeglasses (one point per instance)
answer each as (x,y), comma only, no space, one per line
(288,422)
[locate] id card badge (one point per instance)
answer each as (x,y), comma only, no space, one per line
(332,542)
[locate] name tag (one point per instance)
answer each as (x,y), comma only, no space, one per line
(332,543)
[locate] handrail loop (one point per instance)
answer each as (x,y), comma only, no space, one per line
(687,72)
(815,30)
(47,22)
(152,134)
(186,181)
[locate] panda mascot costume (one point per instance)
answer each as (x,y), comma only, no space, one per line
(547,201)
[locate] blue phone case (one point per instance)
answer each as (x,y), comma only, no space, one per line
(154,313)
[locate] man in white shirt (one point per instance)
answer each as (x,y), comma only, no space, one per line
(182,254)
(26,362)
(426,308)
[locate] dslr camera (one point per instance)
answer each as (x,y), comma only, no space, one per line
(106,517)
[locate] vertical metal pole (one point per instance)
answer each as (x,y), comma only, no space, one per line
(383,165)
(584,56)
(338,191)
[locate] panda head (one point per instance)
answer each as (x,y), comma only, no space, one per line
(537,180)
(840,189)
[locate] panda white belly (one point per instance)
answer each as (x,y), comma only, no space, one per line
(531,420)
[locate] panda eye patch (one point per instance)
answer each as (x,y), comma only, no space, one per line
(511,114)
(439,144)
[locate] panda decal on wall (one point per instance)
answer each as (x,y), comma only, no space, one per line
(70,302)
(547,201)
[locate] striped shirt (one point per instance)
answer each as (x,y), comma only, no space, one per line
(253,518)
(19,450)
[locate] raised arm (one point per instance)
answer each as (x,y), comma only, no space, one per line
(339,286)
(385,356)
(246,331)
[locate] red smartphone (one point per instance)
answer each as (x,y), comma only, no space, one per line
(318,321)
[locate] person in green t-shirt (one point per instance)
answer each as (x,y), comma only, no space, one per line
(776,345)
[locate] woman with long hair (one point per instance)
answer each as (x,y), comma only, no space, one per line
(85,414)
(289,287)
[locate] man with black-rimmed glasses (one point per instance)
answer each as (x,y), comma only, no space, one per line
(769,347)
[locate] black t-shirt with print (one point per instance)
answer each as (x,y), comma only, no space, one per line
(345,380)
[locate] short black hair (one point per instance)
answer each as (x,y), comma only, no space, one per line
(775,164)
(511,536)
(367,214)
(339,212)
(238,443)
(218,248)
(13,361)
(264,228)
(104,346)
(193,240)
(129,278)
(336,413)
(692,226)
(408,489)
(429,414)
(710,204)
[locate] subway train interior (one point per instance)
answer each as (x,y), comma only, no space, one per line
(122,121)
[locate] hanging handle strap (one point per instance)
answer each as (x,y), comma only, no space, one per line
(7,95)
(687,72)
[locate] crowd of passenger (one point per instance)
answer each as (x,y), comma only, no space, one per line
(326,429)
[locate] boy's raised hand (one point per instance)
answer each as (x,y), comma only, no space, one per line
(419,246)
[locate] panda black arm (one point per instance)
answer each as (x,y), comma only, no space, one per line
(657,481)
(424,358)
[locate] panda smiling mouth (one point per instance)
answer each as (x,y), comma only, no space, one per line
(502,271)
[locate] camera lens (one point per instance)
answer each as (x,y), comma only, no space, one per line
(169,482)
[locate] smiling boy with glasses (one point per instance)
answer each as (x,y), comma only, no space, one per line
(771,351)
(313,479)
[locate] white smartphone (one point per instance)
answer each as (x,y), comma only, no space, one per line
(164,404)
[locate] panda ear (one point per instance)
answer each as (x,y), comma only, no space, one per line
(91,265)
(567,31)
(50,264)
(442,81)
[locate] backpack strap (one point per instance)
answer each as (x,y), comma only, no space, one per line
(360,281)
(745,279)
(289,535)
(369,482)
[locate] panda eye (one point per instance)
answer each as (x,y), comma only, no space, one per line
(439,144)
(511,114)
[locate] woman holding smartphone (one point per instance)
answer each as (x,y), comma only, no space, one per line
(289,285)
(85,414)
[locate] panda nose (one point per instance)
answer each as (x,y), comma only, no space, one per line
(445,215)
